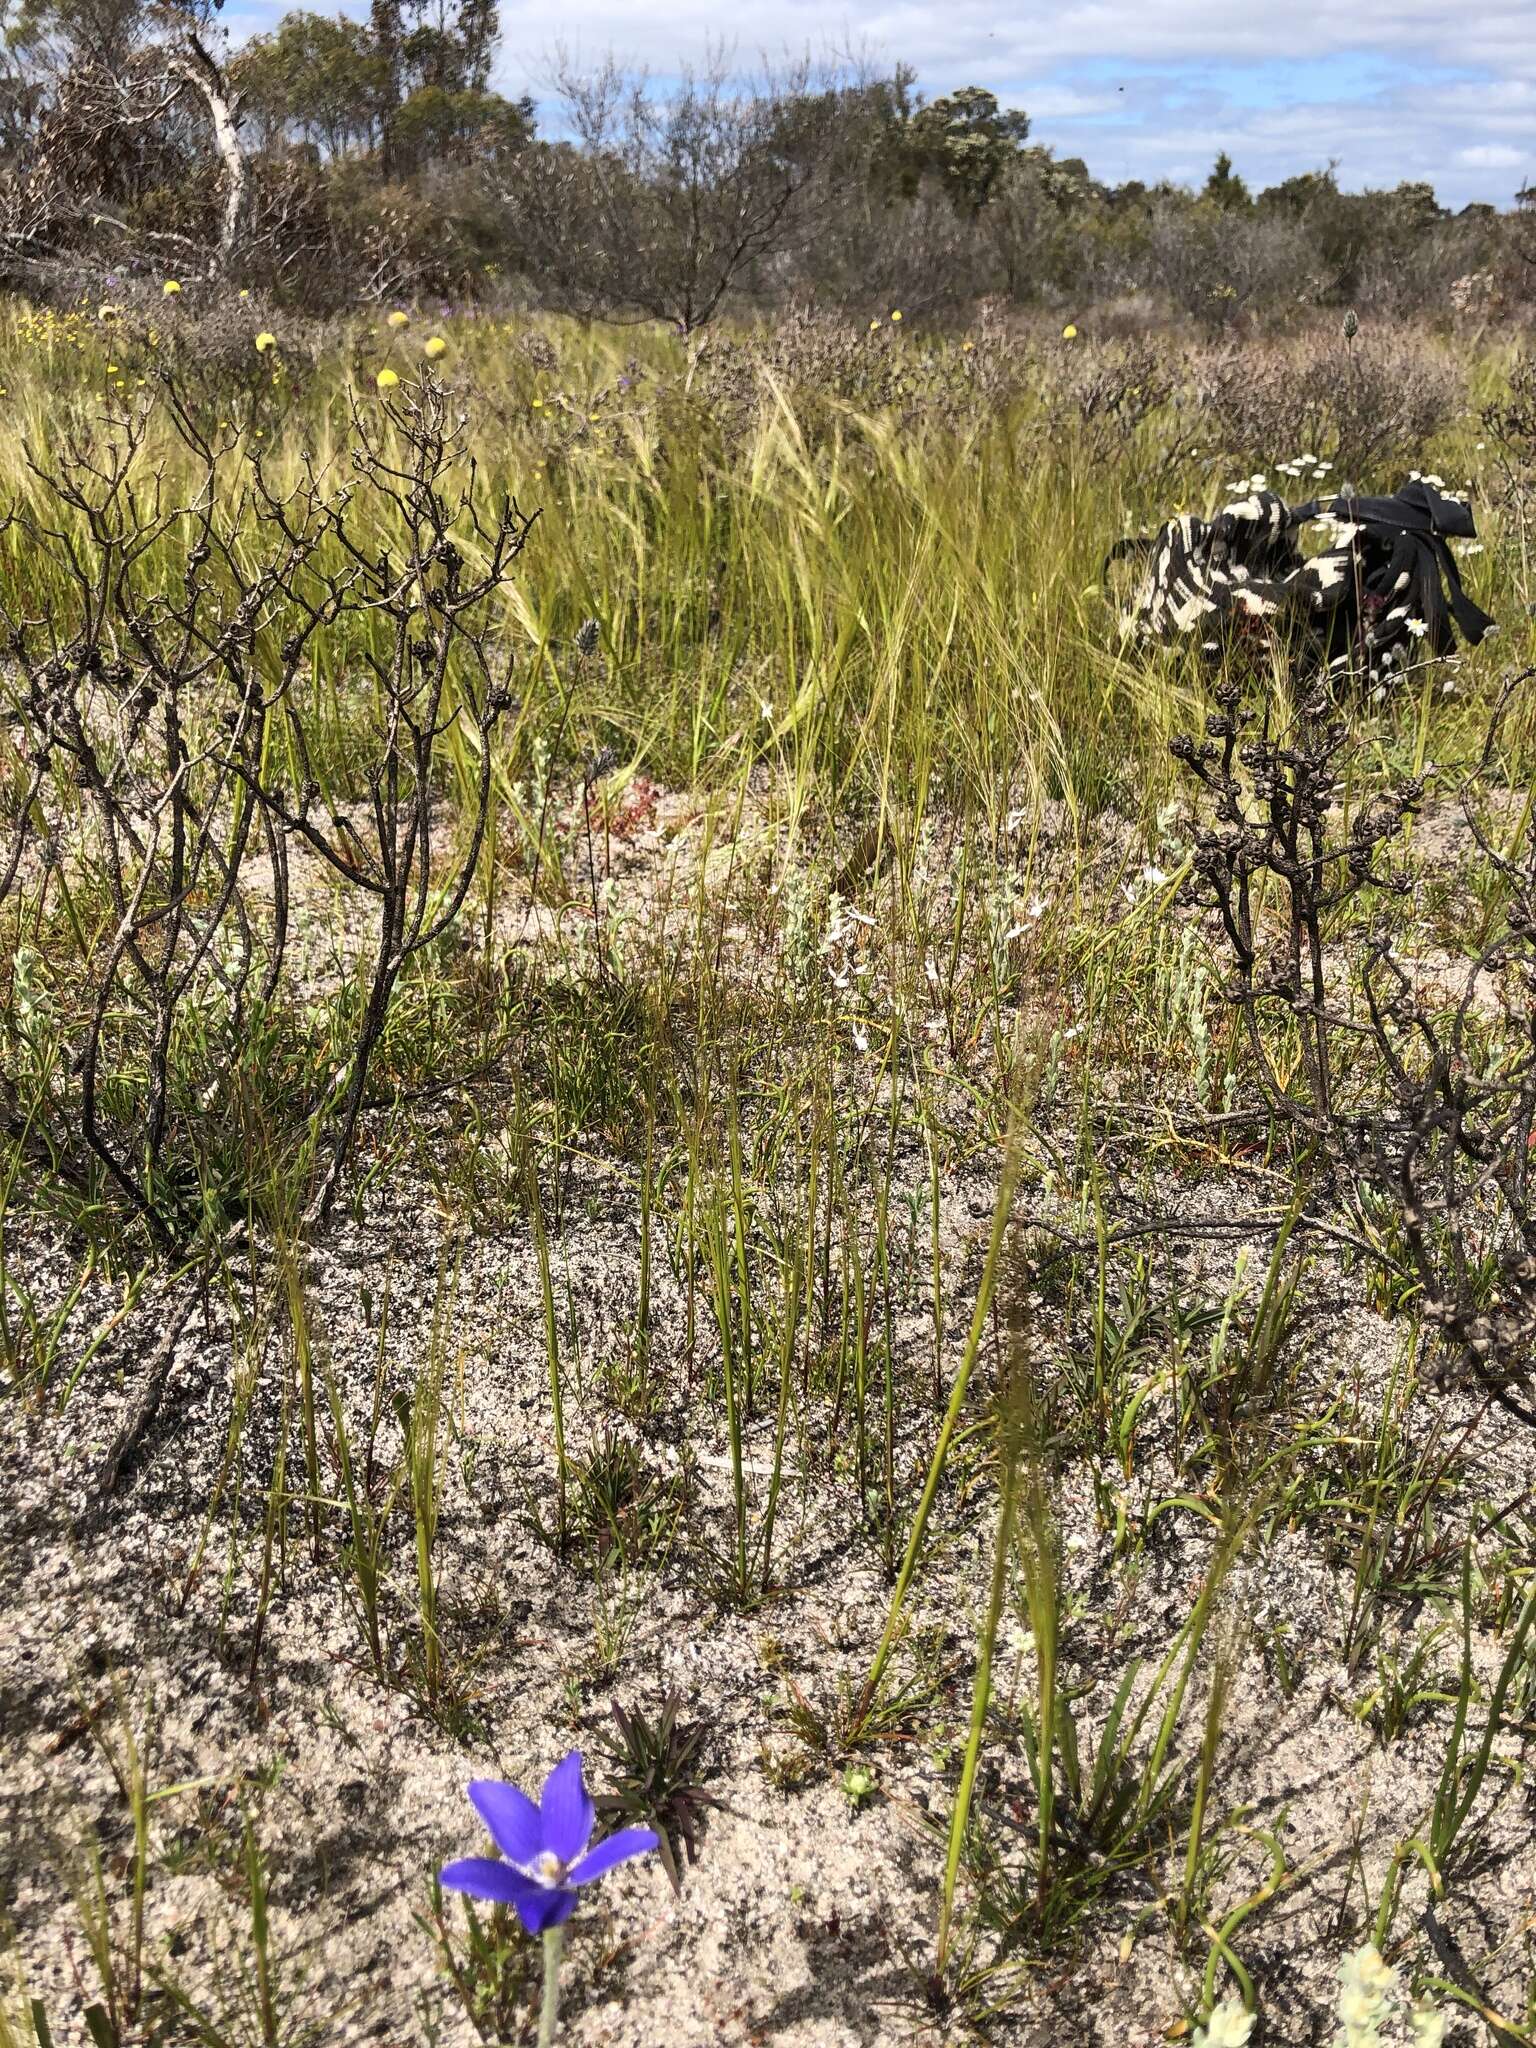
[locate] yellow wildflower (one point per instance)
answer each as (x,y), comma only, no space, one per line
(170,288)
(264,341)
(897,314)
(1069,332)
(398,319)
(386,380)
(434,347)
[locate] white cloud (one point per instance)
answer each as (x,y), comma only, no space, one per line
(972,36)
(1394,89)
(1493,157)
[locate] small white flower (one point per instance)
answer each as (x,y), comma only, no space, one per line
(1368,1970)
(1435,482)
(1473,547)
(931,971)
(1378,693)
(1359,2009)
(860,1038)
(1228,2027)
(1035,908)
(1416,627)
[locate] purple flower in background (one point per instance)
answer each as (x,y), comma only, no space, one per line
(544,1853)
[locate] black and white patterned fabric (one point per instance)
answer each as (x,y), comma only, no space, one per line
(1383,590)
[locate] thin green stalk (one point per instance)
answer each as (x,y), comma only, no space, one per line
(261,1941)
(1215,1712)
(549,2010)
(303,1354)
(552,1349)
(1000,1218)
(980,1700)
(1042,1592)
(743,1270)
(720,1262)
(647,1197)
(790,1332)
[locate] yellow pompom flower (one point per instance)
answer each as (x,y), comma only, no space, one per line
(170,288)
(264,341)
(1069,332)
(434,347)
(873,325)
(398,319)
(386,380)
(897,314)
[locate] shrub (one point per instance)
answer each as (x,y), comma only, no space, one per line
(1368,406)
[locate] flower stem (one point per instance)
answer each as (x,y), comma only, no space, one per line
(549,2012)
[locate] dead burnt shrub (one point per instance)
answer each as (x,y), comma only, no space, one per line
(1509,422)
(1410,1102)
(1368,405)
(173,741)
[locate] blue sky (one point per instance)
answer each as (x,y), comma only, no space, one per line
(1389,89)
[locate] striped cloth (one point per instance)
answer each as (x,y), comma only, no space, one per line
(1383,590)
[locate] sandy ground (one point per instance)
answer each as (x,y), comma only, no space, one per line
(805,1921)
(808,1921)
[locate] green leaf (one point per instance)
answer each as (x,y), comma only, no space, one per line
(98,2024)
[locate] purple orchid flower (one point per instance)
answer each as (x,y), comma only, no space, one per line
(544,1854)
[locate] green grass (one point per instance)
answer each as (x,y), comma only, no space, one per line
(857,977)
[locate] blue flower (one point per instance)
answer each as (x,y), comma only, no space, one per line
(544,1853)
